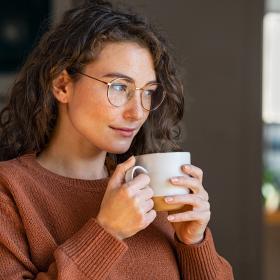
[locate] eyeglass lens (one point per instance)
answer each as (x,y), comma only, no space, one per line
(121,90)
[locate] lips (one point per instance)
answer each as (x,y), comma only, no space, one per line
(124,131)
(124,128)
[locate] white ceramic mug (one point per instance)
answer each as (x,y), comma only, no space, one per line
(161,167)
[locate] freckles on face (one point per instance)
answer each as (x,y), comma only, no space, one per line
(99,123)
(90,110)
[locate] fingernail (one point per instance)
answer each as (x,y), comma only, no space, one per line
(186,167)
(170,218)
(168,199)
(174,180)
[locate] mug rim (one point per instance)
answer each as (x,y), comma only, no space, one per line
(167,153)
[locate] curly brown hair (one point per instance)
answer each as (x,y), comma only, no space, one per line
(29,118)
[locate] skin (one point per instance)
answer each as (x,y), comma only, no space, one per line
(77,148)
(86,114)
(190,225)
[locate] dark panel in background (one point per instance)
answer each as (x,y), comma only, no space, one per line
(21,24)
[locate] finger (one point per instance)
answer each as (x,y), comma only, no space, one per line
(143,199)
(150,216)
(193,171)
(145,193)
(118,176)
(202,217)
(140,182)
(147,205)
(190,183)
(191,199)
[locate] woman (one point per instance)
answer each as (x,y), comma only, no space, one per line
(99,88)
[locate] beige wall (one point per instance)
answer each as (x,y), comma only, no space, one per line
(218,44)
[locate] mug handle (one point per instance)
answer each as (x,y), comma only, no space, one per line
(130,173)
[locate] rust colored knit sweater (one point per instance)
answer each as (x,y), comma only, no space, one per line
(48,231)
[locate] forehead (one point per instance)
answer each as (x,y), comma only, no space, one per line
(128,58)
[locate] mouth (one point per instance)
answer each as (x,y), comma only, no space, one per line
(124,131)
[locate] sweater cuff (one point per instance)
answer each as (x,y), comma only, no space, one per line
(94,250)
(200,261)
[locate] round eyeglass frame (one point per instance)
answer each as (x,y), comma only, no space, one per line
(73,71)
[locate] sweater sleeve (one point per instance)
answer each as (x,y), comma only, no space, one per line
(89,254)
(201,261)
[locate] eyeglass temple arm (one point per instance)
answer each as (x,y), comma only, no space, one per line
(72,71)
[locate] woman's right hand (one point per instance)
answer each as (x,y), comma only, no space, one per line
(126,208)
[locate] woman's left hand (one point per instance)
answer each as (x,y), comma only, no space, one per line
(191,224)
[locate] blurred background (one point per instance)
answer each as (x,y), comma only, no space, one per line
(228,54)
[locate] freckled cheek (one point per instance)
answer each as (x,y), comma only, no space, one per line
(86,96)
(92,102)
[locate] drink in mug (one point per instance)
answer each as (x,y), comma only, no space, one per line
(161,167)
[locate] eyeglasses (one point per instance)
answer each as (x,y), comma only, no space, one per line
(121,90)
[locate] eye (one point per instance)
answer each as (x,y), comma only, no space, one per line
(149,92)
(118,87)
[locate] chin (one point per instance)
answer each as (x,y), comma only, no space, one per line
(117,149)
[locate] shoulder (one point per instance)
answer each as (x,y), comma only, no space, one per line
(13,170)
(9,163)
(8,170)
(10,166)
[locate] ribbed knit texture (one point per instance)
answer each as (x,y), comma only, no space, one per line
(48,231)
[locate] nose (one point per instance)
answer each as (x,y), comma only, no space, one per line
(133,109)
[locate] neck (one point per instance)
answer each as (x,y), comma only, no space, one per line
(73,166)
(67,158)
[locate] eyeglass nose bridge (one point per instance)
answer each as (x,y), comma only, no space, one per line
(133,92)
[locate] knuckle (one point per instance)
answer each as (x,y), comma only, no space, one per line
(192,182)
(129,192)
(151,216)
(145,178)
(142,221)
(196,183)
(136,202)
(151,204)
(199,171)
(206,215)
(124,191)
(150,191)
(197,201)
(179,217)
(191,215)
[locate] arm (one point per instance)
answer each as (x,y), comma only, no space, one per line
(196,251)
(88,254)
(201,261)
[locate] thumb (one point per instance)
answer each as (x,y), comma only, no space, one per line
(118,176)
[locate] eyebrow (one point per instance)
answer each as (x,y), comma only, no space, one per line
(120,75)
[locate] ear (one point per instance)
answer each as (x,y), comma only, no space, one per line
(62,87)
